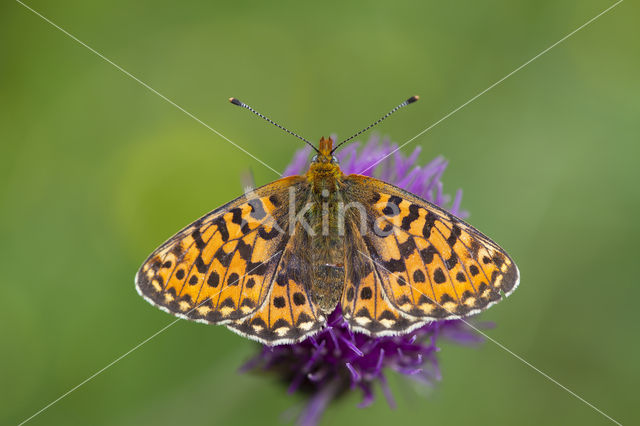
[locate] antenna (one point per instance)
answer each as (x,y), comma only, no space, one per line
(404,104)
(243,105)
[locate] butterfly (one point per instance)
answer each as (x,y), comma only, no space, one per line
(273,264)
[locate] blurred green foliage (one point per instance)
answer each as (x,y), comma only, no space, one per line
(96,171)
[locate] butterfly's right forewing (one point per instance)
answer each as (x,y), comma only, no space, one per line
(429,264)
(221,267)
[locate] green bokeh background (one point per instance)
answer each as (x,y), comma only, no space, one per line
(96,171)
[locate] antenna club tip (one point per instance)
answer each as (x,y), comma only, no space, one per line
(413,99)
(235,101)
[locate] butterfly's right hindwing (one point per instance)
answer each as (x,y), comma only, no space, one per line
(364,305)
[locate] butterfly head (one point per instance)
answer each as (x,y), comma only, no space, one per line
(324,165)
(324,155)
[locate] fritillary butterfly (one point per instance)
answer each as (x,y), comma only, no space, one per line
(274,263)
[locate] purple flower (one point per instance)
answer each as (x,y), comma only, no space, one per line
(338,360)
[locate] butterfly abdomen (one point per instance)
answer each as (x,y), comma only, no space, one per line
(327,282)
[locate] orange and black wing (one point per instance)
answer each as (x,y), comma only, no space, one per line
(221,269)
(428,264)
(289,315)
(364,304)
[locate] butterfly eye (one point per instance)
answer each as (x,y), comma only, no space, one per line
(334,159)
(314,158)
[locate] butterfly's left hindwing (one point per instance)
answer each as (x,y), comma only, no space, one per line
(429,264)
(290,313)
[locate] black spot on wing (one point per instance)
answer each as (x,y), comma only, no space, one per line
(446,298)
(407,248)
(363,312)
(268,235)
(244,250)
(429,223)
(281,280)
(236,216)
(223,257)
(394,265)
(366,293)
(403,300)
(248,303)
(280,323)
(200,265)
(393,206)
(414,213)
(222,228)
(474,247)
(232,279)
(274,200)
(214,279)
(228,303)
(427,254)
(258,268)
(350,294)
(259,322)
(438,276)
(453,236)
(451,261)
(197,238)
(177,250)
(299,299)
(302,318)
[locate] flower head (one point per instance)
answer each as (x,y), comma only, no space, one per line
(337,359)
